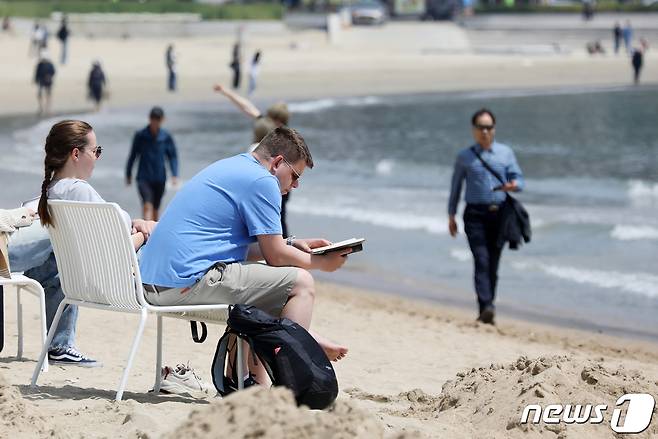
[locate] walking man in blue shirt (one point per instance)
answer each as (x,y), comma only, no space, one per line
(152,145)
(484,197)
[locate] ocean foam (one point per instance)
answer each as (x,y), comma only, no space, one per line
(324,104)
(383,218)
(643,192)
(630,233)
(643,284)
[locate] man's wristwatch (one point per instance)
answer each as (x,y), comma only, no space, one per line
(290,239)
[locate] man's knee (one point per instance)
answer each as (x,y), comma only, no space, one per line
(304,284)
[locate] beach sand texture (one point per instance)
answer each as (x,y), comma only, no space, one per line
(414,369)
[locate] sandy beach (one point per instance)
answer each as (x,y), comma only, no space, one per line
(398,58)
(415,369)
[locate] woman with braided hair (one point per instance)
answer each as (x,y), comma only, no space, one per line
(71,154)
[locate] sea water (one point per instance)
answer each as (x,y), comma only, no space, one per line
(382,171)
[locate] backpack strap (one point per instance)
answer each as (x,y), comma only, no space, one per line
(487,165)
(195,333)
(219,363)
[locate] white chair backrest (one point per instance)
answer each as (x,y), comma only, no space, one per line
(95,255)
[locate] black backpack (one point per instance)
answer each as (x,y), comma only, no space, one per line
(288,352)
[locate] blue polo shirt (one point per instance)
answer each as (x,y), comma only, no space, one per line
(151,151)
(213,218)
(480,183)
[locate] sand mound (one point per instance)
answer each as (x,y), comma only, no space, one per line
(272,413)
(19,419)
(491,400)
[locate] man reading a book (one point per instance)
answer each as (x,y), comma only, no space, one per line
(225,219)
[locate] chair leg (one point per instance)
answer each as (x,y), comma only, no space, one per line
(158,358)
(44,349)
(240,365)
(133,351)
(44,331)
(19,321)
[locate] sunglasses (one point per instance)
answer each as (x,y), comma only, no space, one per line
(295,175)
(485,127)
(97,151)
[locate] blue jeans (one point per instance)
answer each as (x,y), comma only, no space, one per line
(482,227)
(30,252)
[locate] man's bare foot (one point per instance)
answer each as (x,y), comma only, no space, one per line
(333,350)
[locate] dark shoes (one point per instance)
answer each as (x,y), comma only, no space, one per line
(487,315)
(231,386)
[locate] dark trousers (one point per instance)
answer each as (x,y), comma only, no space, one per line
(284,224)
(482,225)
(171,80)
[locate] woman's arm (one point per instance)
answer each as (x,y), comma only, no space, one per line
(138,240)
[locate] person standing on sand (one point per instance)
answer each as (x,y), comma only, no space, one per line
(43,77)
(63,36)
(235,66)
(254,71)
(170,61)
(616,33)
(96,84)
(484,197)
(152,145)
(637,61)
(627,34)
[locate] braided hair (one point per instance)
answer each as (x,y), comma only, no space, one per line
(63,137)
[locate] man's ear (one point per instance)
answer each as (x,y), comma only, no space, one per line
(276,161)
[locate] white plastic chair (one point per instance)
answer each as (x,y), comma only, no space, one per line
(22,282)
(98,268)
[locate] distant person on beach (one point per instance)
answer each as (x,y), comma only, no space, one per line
(6,24)
(627,35)
(637,57)
(276,116)
(43,78)
(96,84)
(588,10)
(170,61)
(616,36)
(254,72)
(235,66)
(484,196)
(36,37)
(152,145)
(207,245)
(63,36)
(71,154)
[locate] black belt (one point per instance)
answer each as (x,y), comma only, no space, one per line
(487,207)
(155,288)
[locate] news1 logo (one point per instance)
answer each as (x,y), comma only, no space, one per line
(637,418)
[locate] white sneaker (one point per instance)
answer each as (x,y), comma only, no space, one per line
(183,379)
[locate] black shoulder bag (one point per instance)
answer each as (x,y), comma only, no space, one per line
(515,221)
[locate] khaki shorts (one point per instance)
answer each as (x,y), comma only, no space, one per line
(249,283)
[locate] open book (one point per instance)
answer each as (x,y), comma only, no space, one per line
(356,244)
